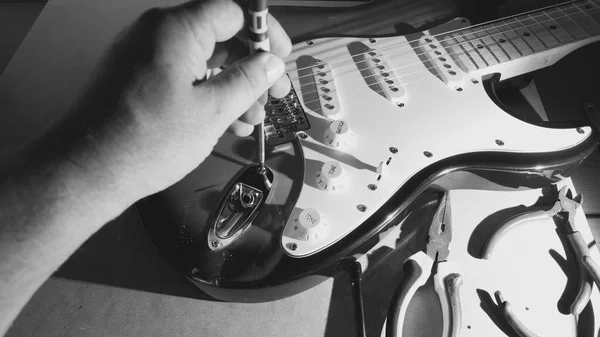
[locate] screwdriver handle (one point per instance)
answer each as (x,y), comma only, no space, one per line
(416,271)
(580,249)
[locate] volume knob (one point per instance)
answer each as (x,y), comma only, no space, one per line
(311,224)
(331,177)
(338,134)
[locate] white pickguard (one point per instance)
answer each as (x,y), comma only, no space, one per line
(435,118)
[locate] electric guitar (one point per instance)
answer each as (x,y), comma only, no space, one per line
(369,124)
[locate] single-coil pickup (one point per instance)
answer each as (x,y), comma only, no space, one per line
(384,76)
(328,96)
(442,62)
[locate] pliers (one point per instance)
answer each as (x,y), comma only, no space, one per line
(564,210)
(417,269)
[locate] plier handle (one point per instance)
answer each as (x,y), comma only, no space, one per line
(419,267)
(564,210)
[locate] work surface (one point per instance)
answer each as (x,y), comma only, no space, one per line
(117,284)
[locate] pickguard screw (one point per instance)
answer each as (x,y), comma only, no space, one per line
(214,244)
(499,142)
(428,154)
(401,104)
(459,89)
(361,208)
(580,130)
(302,135)
(194,271)
(372,40)
(475,81)
(310,43)
(372,187)
(292,246)
(393,150)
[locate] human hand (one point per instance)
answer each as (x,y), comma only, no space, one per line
(151,116)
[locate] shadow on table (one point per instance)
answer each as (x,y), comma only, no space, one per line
(120,254)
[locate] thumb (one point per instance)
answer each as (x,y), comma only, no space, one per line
(235,89)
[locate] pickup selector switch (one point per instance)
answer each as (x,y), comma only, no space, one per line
(331,177)
(310,224)
(338,134)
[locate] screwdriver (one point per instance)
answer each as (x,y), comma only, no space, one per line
(258,41)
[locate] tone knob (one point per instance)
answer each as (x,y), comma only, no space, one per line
(331,177)
(338,134)
(310,225)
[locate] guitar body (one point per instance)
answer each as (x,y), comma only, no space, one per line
(357,178)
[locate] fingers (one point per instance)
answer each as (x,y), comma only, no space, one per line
(211,21)
(237,88)
(280,41)
(228,52)
(245,124)
(281,88)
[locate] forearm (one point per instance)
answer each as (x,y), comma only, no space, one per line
(48,208)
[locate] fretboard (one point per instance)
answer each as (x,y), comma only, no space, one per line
(497,42)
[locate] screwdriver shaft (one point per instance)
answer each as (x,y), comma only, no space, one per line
(258,41)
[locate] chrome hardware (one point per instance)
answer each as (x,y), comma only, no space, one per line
(239,206)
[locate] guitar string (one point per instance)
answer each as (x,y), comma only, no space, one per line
(557,7)
(403,85)
(467,41)
(455,54)
(469,47)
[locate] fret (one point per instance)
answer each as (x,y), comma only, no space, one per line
(475,44)
(563,20)
(503,41)
(528,35)
(561,35)
(515,40)
(459,54)
(490,42)
(534,24)
(530,39)
(581,18)
(592,11)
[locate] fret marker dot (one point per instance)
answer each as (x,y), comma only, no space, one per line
(526,34)
(552,27)
(502,40)
(479,46)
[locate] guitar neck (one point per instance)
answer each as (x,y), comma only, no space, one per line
(523,43)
